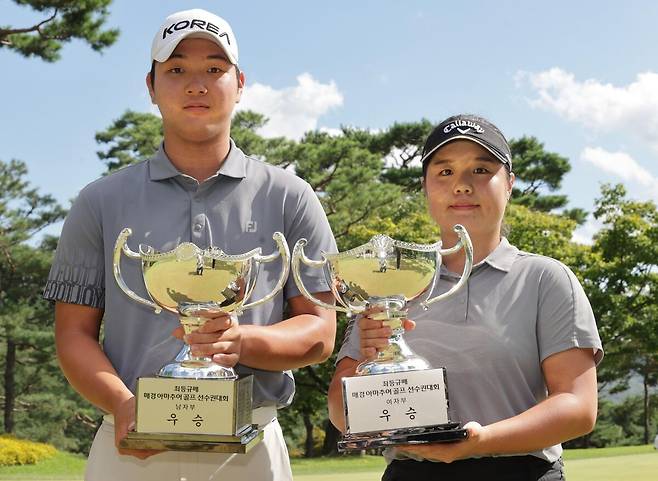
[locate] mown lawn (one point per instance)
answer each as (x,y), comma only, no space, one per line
(63,466)
(635,467)
(637,463)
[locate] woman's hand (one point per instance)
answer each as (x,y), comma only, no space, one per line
(374,334)
(449,452)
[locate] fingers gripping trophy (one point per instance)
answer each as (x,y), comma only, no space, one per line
(195,404)
(397,397)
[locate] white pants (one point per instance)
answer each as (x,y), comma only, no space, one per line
(267,461)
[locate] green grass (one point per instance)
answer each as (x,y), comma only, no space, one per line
(62,466)
(606,452)
(635,467)
(637,463)
(343,464)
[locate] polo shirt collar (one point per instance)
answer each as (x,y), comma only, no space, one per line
(160,167)
(234,166)
(503,256)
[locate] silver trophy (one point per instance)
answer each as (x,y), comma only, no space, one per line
(196,284)
(382,276)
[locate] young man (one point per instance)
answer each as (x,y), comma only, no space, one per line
(201,188)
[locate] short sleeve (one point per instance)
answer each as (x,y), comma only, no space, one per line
(351,342)
(564,318)
(77,273)
(310,222)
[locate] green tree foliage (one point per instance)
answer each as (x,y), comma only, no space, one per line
(37,401)
(132,138)
(276,151)
(619,423)
(23,211)
(546,234)
(622,283)
(400,146)
(537,170)
(62,21)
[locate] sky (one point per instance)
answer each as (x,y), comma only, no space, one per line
(581,76)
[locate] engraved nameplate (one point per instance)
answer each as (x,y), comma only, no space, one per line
(193,406)
(383,402)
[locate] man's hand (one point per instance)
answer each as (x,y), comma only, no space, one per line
(124,421)
(219,338)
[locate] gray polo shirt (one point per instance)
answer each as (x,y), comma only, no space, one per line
(493,334)
(237,209)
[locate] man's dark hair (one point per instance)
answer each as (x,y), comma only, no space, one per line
(153,75)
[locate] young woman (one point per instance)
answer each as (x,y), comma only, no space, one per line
(519,341)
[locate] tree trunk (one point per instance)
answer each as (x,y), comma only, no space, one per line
(646,407)
(309,442)
(331,435)
(10,386)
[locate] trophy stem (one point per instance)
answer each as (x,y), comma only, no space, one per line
(397,356)
(191,324)
(195,367)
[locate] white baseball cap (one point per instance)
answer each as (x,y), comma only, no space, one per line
(196,23)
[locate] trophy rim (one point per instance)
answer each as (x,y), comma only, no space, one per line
(371,244)
(150,254)
(429,251)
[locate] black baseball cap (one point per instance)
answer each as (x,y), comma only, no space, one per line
(468,127)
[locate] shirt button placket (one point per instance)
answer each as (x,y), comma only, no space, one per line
(198,221)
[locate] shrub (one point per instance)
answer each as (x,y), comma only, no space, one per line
(20,451)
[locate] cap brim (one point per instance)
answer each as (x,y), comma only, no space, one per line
(504,160)
(165,52)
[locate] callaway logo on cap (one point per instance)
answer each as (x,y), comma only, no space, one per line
(196,23)
(468,127)
(463,126)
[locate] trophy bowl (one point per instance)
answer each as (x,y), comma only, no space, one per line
(383,275)
(195,284)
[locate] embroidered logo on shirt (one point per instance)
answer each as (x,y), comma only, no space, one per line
(252,226)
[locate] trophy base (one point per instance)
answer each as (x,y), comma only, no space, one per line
(421,435)
(205,443)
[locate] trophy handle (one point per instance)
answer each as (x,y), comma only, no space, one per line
(465,243)
(282,252)
(299,256)
(119,246)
